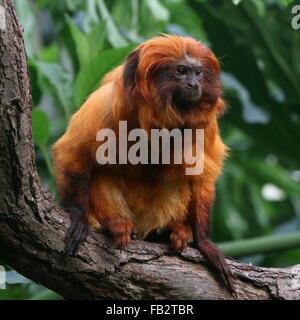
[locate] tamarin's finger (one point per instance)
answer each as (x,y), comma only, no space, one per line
(71,247)
(78,231)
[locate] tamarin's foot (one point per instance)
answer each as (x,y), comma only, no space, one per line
(179,240)
(179,235)
(78,231)
(122,230)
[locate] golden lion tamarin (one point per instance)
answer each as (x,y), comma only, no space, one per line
(165,83)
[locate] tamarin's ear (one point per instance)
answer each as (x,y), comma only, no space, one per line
(130,70)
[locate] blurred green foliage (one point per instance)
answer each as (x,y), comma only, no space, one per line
(71,44)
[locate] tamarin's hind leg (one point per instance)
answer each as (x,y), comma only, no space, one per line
(179,235)
(121,229)
(73,189)
(111,210)
(78,230)
(199,218)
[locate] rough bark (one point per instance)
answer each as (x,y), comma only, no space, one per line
(33,228)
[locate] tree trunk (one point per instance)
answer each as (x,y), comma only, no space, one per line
(33,228)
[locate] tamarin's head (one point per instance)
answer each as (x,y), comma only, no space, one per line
(178,77)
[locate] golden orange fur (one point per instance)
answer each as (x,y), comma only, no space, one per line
(122,198)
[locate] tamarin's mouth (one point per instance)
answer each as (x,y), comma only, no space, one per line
(186,100)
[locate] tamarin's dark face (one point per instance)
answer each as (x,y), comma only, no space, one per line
(182,82)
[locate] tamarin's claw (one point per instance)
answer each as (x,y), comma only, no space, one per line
(78,231)
(134,234)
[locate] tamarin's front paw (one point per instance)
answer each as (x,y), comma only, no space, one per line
(179,239)
(122,230)
(179,235)
(78,231)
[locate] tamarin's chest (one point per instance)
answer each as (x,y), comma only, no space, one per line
(151,198)
(154,205)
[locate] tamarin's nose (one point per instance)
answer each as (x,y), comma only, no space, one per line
(193,84)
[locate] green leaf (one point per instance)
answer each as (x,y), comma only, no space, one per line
(263,35)
(260,6)
(96,39)
(49,54)
(40,127)
(188,23)
(41,3)
(236,2)
(274,174)
(91,18)
(89,77)
(287,2)
(80,41)
(113,34)
(158,10)
(58,83)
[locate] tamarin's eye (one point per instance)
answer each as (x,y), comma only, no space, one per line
(181,70)
(198,72)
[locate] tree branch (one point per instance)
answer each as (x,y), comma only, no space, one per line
(33,228)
